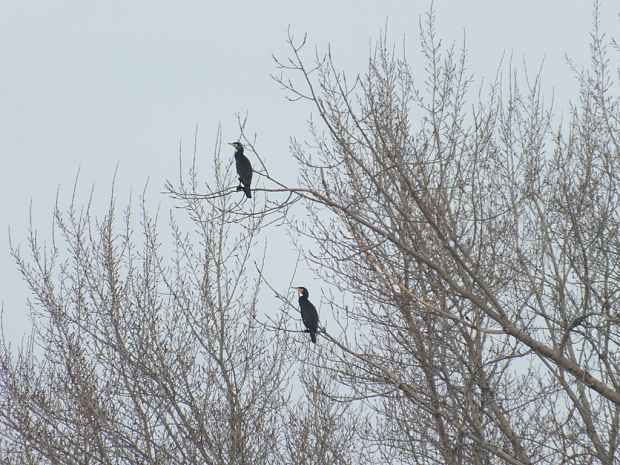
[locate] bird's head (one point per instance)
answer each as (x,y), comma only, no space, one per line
(236,145)
(301,290)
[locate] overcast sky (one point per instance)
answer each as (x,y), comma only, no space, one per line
(91,85)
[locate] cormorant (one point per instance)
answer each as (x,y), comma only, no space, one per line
(309,315)
(244,170)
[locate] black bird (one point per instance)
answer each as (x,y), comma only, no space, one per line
(244,170)
(309,315)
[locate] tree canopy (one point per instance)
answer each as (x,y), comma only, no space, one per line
(468,240)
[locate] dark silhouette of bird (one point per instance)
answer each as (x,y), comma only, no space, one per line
(309,315)
(244,170)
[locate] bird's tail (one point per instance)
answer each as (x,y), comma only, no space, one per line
(248,192)
(313,336)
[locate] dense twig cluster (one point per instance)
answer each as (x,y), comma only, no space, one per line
(473,250)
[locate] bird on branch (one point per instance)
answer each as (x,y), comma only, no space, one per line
(244,169)
(309,315)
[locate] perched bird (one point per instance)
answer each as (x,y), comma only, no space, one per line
(309,315)
(244,170)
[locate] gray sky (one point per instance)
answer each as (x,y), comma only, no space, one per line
(92,84)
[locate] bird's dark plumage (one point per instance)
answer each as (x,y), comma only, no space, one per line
(309,315)
(244,170)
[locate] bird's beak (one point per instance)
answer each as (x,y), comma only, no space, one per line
(231,143)
(296,288)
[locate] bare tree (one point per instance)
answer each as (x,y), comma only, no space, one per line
(137,358)
(478,244)
(469,247)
